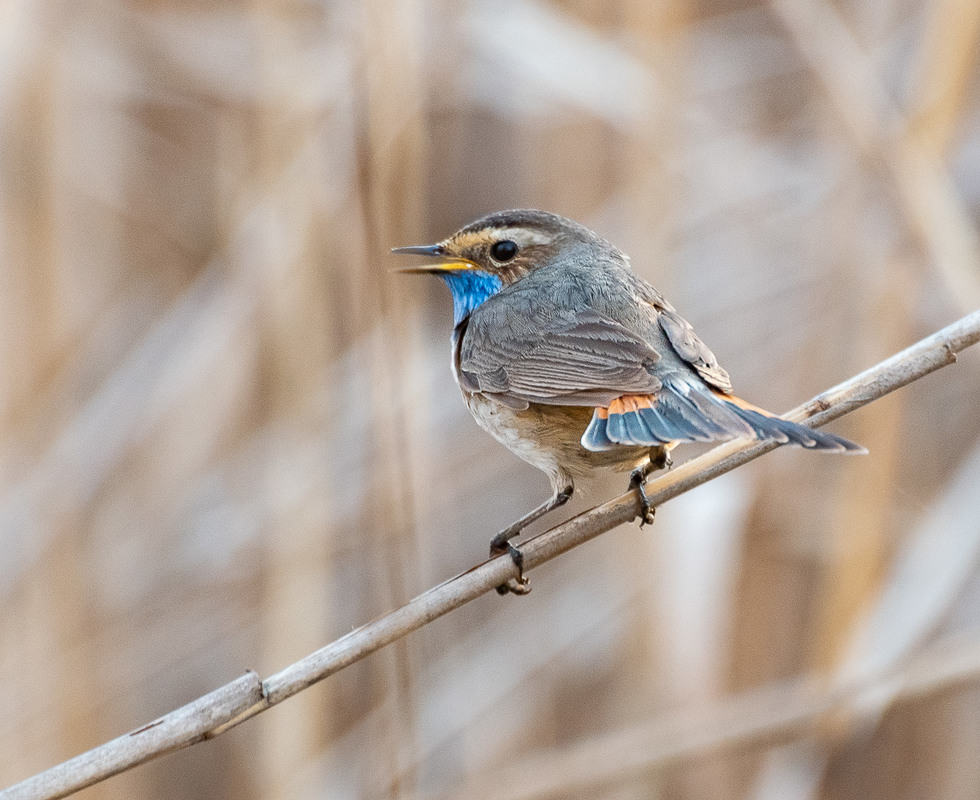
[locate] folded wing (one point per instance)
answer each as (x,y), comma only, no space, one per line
(652,381)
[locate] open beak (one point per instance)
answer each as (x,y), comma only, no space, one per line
(446,262)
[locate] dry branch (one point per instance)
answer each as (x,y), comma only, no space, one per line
(229,705)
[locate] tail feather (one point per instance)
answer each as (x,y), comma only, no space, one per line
(694,426)
(655,423)
(660,425)
(637,429)
(596,437)
(616,428)
(769,426)
(689,411)
(714,421)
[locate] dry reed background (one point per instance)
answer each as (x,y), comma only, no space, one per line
(229,434)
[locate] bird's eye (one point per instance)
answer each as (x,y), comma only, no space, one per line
(503,250)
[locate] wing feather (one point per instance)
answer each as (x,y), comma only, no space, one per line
(583,359)
(688,345)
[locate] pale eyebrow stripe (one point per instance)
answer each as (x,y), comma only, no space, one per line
(522,236)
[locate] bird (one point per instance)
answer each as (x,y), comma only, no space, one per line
(577,364)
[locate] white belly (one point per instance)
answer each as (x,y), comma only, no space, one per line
(514,431)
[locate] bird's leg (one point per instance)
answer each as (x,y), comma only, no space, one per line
(659,459)
(501,542)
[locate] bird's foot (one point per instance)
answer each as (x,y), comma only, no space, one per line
(498,546)
(647,510)
(501,543)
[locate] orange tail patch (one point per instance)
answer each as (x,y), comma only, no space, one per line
(631,419)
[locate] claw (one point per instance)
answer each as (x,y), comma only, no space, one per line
(520,584)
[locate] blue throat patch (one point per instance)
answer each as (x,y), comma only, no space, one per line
(470,289)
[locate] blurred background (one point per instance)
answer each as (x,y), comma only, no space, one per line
(229,434)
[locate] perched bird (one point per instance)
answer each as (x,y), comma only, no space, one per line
(575,363)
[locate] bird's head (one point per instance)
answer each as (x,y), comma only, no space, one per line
(497,250)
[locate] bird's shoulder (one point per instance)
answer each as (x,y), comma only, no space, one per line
(682,338)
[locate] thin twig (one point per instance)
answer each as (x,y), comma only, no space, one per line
(228,706)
